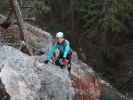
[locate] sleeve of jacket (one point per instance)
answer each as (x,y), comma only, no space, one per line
(51,51)
(67,49)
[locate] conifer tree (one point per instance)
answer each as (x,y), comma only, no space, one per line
(106,15)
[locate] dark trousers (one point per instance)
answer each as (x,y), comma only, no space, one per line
(57,62)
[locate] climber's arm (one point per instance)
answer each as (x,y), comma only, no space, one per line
(67,49)
(51,52)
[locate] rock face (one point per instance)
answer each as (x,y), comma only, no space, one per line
(26,79)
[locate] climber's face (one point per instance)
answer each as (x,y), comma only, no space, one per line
(60,40)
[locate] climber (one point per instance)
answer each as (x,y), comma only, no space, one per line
(60,52)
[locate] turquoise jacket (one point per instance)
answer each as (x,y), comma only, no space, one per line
(64,48)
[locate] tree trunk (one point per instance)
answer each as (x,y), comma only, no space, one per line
(16,9)
(18,14)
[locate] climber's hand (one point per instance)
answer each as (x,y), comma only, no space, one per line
(52,61)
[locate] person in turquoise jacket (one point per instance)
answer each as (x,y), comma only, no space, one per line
(60,52)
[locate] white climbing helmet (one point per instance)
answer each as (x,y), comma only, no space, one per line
(60,35)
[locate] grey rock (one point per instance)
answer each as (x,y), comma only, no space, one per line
(27,79)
